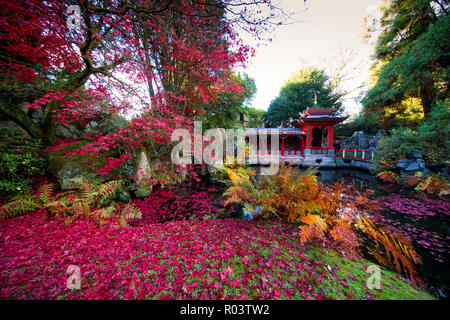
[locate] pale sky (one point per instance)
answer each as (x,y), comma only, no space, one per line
(328,26)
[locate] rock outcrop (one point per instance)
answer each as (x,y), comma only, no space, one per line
(411,164)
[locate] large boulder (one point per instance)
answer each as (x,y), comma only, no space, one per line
(37,115)
(403,163)
(91,127)
(373,141)
(69,175)
(23,106)
(70,132)
(360,140)
(76,132)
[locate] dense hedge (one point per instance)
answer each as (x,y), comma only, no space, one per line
(20,160)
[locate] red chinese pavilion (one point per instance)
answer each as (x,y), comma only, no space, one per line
(310,136)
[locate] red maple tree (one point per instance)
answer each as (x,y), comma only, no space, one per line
(156,60)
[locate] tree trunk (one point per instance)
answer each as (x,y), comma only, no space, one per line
(46,133)
(427,94)
(48,123)
(19,117)
(148,67)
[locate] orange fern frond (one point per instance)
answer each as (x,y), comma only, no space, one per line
(399,253)
(388,176)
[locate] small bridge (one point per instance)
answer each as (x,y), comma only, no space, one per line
(354,158)
(321,157)
(366,155)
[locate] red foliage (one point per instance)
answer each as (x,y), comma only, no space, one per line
(112,163)
(175,204)
(23,39)
(190,49)
(160,261)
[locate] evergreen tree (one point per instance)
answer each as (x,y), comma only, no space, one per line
(413,55)
(299,92)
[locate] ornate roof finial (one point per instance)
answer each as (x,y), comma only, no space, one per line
(315,99)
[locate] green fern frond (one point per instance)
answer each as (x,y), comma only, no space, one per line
(131,212)
(107,192)
(18,207)
(45,193)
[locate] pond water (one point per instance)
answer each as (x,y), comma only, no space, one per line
(423,220)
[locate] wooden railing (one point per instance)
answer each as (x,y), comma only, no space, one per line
(354,154)
(366,155)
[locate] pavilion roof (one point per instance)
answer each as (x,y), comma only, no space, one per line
(318,114)
(322,119)
(316,110)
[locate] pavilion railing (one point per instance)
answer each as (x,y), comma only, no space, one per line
(319,151)
(354,154)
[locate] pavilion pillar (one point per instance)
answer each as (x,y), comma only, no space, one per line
(329,136)
(282,146)
(308,138)
(302,141)
(332,137)
(262,139)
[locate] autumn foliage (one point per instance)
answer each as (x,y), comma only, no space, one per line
(388,176)
(334,215)
(431,184)
(156,62)
(88,200)
(392,251)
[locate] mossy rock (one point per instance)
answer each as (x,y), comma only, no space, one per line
(69,168)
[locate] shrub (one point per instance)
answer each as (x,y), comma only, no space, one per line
(434,133)
(388,176)
(401,142)
(19,161)
(431,138)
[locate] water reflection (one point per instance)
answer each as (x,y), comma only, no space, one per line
(419,218)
